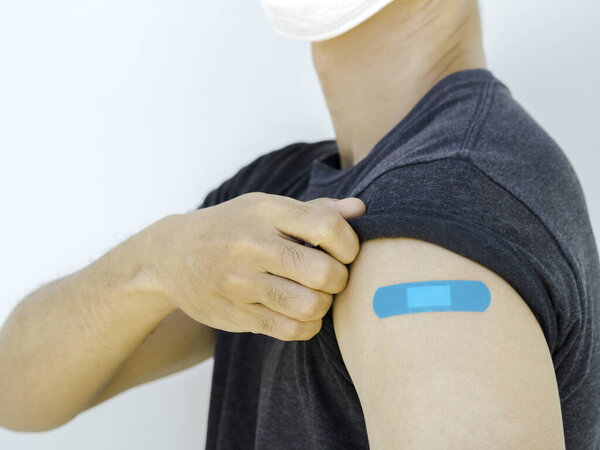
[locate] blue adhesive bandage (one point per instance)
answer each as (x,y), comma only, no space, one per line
(424,296)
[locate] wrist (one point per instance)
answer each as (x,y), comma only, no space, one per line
(126,272)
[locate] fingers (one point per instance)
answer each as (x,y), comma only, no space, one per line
(319,225)
(241,317)
(349,207)
(287,297)
(263,320)
(308,266)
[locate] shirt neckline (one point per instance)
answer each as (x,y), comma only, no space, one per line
(326,168)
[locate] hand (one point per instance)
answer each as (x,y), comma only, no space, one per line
(243,266)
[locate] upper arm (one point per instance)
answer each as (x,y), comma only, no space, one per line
(177,343)
(445,379)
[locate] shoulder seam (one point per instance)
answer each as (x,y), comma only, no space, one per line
(481,110)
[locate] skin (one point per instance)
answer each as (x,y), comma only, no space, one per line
(445,380)
(436,380)
(149,307)
(80,340)
(372,75)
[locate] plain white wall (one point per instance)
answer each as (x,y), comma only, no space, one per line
(116,113)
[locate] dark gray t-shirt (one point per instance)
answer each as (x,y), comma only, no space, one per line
(468,169)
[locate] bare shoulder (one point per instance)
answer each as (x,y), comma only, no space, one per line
(445,379)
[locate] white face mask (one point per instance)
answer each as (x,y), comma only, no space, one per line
(317,20)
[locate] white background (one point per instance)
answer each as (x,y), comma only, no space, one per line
(116,113)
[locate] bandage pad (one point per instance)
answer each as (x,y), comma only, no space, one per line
(425,296)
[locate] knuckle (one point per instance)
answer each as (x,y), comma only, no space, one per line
(321,276)
(292,330)
(289,252)
(262,200)
(256,196)
(256,200)
(313,329)
(341,278)
(329,224)
(278,296)
(316,305)
(298,208)
(333,276)
(244,245)
(329,273)
(232,282)
(351,247)
(266,325)
(310,309)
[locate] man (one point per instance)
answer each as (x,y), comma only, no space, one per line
(460,186)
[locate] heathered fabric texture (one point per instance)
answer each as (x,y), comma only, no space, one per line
(467,169)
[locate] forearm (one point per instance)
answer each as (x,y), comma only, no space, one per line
(66,340)
(179,342)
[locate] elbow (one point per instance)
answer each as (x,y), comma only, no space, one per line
(29,405)
(29,423)
(27,426)
(29,417)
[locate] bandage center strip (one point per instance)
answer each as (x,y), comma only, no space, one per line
(425,296)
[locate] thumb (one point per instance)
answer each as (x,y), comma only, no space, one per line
(349,207)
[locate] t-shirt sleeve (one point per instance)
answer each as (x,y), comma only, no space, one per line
(451,203)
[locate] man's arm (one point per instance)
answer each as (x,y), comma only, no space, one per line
(177,343)
(445,379)
(83,338)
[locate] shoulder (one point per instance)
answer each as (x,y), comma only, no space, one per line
(480,379)
(452,204)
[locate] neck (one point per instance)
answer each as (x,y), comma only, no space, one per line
(374,74)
